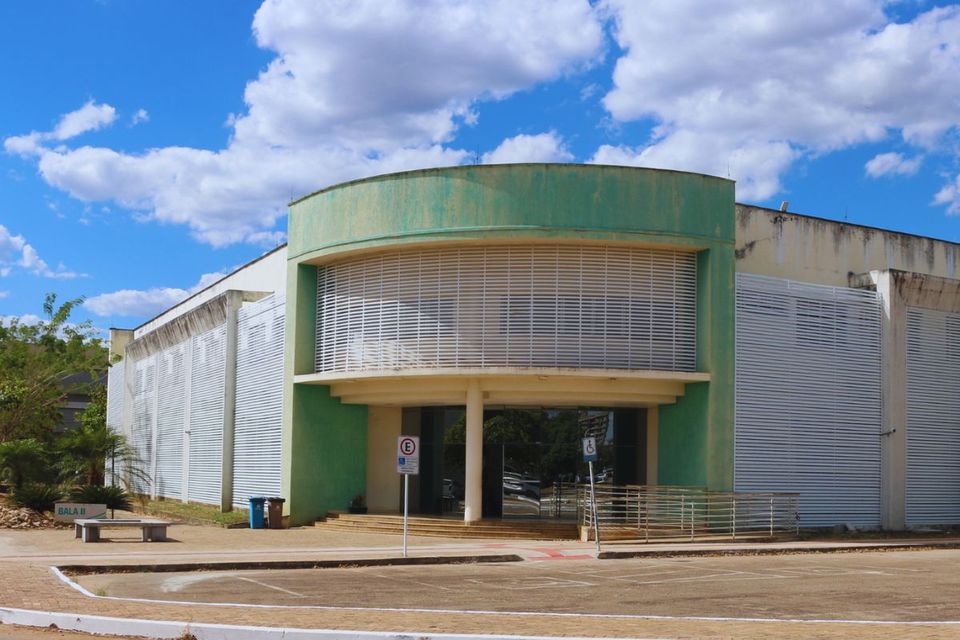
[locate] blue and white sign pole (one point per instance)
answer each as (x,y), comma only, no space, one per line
(408,464)
(589,455)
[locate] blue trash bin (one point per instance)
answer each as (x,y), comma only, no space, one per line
(256,512)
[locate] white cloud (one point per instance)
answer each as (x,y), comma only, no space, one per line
(356,89)
(4,294)
(892,164)
(148,302)
(747,87)
(543,147)
(14,251)
(89,117)
(140,116)
(27,318)
(11,246)
(949,195)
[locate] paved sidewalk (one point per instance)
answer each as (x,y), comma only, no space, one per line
(26,557)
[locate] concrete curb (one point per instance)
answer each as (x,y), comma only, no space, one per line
(700,553)
(208,631)
(87,569)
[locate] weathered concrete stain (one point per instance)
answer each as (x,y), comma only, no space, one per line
(811,249)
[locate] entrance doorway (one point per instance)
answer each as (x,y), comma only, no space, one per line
(532,460)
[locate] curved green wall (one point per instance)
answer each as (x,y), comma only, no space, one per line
(514,201)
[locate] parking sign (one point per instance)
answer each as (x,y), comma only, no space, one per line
(408,455)
(589,449)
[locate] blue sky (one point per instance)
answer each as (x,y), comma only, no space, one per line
(150,146)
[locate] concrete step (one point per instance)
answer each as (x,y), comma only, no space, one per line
(450,528)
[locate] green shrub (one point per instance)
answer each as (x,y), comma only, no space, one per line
(113,497)
(39,497)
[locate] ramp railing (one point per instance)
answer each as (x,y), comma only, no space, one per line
(656,512)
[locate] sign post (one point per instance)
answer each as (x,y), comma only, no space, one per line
(589,455)
(408,463)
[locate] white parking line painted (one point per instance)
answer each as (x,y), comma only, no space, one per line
(269,586)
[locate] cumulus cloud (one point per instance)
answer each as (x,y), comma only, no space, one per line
(4,294)
(543,147)
(744,88)
(145,302)
(27,318)
(885,164)
(949,195)
(355,89)
(90,117)
(140,116)
(16,252)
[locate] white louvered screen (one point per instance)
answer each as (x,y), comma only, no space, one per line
(114,413)
(141,428)
(257,430)
(808,403)
(543,306)
(933,417)
(206,415)
(170,421)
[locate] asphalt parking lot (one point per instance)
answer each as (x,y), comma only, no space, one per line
(903,586)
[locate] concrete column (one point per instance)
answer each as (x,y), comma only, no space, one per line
(234,301)
(473,473)
(893,441)
(653,432)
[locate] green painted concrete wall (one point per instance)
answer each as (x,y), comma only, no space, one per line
(514,202)
(695,444)
(324,442)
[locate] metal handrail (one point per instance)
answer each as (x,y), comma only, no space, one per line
(689,512)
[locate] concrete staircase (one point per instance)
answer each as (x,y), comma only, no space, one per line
(451,527)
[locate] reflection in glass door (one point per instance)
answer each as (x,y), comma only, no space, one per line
(533,462)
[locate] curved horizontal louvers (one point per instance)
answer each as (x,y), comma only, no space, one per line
(509,306)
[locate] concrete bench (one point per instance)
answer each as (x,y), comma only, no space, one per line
(153,530)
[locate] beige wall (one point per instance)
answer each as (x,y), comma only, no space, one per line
(383,481)
(787,245)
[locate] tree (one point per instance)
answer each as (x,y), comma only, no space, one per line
(88,451)
(23,460)
(39,365)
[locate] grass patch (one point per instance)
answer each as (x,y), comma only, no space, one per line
(204,513)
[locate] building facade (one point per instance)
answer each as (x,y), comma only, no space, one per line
(502,312)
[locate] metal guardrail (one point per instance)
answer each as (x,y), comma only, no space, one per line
(689,512)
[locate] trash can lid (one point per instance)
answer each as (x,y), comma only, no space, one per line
(257,498)
(276,499)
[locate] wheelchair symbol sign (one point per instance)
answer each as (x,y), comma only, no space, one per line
(589,449)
